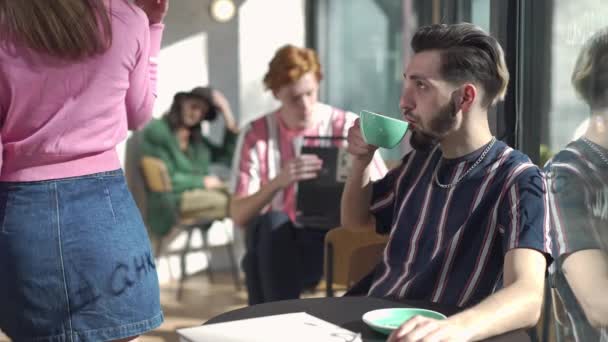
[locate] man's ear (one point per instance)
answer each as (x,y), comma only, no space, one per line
(465,96)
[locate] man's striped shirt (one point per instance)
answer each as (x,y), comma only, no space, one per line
(578,198)
(448,245)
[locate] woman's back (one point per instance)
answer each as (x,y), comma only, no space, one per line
(75,261)
(63,119)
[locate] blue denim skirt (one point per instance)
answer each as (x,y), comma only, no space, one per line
(75,261)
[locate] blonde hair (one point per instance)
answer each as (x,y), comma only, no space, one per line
(590,75)
(68,29)
(289,64)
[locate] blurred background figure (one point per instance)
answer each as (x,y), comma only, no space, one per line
(578,179)
(75,260)
(177,140)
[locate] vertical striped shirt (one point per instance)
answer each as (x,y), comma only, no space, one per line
(266,144)
(578,183)
(578,180)
(448,245)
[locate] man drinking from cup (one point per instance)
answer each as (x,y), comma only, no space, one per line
(465,212)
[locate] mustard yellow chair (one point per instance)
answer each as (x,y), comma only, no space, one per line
(350,255)
(157,179)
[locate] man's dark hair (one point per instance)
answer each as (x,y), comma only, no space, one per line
(590,75)
(468,54)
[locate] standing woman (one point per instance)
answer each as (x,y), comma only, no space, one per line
(75,259)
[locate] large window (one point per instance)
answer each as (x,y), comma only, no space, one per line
(364,48)
(562,100)
(360,43)
(575,23)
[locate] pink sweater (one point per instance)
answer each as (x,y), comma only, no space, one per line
(61,119)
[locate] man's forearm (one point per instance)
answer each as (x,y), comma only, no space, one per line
(242,210)
(596,308)
(587,274)
(356,198)
(515,307)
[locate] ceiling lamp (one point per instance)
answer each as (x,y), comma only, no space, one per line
(223,10)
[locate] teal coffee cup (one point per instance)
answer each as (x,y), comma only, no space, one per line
(386,320)
(380,130)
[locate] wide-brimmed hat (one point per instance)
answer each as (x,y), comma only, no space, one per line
(204,94)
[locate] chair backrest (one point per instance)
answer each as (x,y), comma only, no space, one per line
(353,254)
(363,261)
(156,174)
(133,171)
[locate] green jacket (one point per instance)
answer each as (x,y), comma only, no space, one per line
(186,169)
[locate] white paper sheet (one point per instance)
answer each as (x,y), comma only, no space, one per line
(296,327)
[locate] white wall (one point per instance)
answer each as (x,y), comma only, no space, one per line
(265,26)
(182,66)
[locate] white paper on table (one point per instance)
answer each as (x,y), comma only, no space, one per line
(297,327)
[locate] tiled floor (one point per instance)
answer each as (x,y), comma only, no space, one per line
(201,301)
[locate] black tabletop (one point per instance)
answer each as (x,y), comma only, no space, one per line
(347,312)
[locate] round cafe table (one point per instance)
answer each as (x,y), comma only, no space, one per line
(346,312)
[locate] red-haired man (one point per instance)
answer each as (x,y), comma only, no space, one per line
(282,260)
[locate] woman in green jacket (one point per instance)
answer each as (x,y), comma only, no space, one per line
(177,140)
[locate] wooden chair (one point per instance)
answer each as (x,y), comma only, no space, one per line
(158,180)
(350,255)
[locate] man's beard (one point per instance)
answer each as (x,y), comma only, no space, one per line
(439,126)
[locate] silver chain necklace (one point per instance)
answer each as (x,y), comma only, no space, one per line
(594,147)
(479,160)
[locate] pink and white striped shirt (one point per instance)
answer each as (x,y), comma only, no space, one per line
(266,144)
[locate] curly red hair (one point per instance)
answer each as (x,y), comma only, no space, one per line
(289,64)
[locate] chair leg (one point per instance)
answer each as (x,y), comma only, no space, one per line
(234,266)
(546,316)
(329,286)
(205,235)
(158,250)
(158,246)
(559,333)
(183,256)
